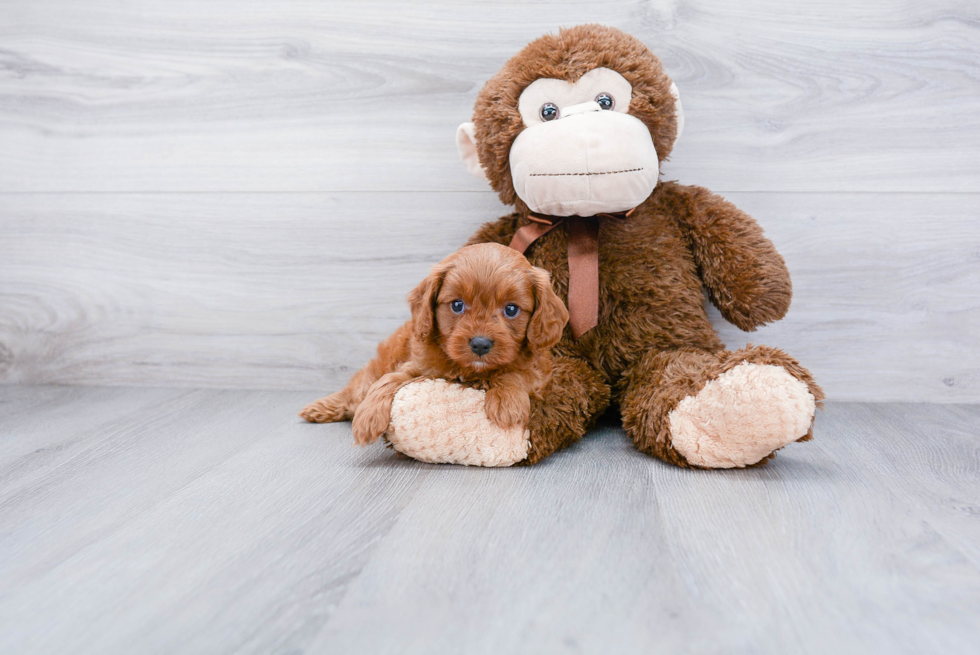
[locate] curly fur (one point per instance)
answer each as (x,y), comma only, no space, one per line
(654,344)
(435,343)
(569,55)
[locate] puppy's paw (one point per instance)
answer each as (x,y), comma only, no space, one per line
(370,422)
(331,409)
(507,409)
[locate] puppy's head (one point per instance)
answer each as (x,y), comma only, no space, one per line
(485,305)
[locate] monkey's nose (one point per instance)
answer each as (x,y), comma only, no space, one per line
(480,345)
(582,108)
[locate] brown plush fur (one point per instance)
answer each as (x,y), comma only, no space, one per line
(436,342)
(568,56)
(654,344)
(664,379)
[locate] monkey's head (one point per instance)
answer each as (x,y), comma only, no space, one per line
(575,124)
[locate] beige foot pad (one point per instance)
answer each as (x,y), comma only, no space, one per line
(742,416)
(444,423)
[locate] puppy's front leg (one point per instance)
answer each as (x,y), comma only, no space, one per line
(507,402)
(374,414)
(341,406)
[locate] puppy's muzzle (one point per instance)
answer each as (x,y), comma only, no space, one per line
(480,345)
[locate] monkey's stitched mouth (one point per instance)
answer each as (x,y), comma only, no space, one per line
(628,170)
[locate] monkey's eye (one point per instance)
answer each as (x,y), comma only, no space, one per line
(511,310)
(605,101)
(457,306)
(549,111)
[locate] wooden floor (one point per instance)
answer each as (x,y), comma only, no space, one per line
(206,521)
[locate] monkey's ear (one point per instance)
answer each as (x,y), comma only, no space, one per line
(678,110)
(466,145)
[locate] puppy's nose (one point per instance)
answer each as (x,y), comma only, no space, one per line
(481,345)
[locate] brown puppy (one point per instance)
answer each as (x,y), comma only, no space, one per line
(483,317)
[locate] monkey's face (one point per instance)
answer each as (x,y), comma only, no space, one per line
(563,132)
(581,153)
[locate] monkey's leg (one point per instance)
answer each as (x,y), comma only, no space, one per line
(578,395)
(444,422)
(696,408)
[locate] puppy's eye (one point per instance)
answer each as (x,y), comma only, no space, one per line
(605,101)
(457,306)
(511,310)
(549,111)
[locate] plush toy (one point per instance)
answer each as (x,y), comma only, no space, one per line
(571,132)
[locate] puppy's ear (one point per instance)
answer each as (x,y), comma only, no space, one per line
(550,316)
(422,300)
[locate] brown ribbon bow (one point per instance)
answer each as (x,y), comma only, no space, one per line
(583,261)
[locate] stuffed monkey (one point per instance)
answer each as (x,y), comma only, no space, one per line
(571,132)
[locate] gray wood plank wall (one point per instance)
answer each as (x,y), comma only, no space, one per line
(240,194)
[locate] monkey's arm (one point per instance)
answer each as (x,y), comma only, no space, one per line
(746,278)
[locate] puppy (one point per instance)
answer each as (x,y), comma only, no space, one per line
(484,317)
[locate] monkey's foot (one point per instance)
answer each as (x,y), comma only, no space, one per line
(445,423)
(741,417)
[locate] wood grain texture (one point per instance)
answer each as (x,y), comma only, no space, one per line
(326,96)
(229,487)
(295,291)
(217,522)
(228,195)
